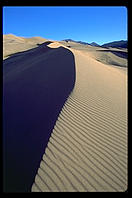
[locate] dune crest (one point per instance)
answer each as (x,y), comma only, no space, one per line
(36,85)
(87,150)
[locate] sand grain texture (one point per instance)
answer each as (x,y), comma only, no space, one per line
(87,150)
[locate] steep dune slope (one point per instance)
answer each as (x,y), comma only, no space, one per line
(36,83)
(87,150)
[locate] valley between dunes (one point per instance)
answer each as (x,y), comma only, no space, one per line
(87,150)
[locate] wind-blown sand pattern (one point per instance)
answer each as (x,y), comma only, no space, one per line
(52,142)
(87,150)
(36,84)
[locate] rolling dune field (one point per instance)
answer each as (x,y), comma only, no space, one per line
(65,117)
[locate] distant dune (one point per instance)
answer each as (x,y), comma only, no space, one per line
(115,44)
(110,55)
(65,119)
(13,44)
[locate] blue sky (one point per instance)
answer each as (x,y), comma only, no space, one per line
(85,23)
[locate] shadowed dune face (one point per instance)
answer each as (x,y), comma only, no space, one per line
(36,84)
(120,53)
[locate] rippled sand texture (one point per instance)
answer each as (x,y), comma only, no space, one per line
(36,84)
(87,150)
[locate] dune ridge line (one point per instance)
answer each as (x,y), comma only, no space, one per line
(87,150)
(36,83)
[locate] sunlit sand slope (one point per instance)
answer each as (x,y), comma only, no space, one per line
(13,44)
(87,150)
(110,56)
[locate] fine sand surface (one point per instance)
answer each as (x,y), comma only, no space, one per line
(111,56)
(13,44)
(36,84)
(65,118)
(87,150)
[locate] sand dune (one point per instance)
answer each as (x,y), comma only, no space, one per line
(111,56)
(13,44)
(87,150)
(36,84)
(63,142)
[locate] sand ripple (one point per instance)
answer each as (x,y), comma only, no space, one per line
(87,150)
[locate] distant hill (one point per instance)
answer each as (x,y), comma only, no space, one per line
(68,40)
(117,44)
(81,42)
(94,44)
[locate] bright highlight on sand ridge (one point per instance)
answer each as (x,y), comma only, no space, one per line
(65,116)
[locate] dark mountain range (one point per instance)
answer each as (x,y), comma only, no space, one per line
(69,40)
(94,44)
(81,42)
(117,44)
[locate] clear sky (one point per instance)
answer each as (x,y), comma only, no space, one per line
(85,23)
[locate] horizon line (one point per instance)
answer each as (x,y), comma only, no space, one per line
(66,39)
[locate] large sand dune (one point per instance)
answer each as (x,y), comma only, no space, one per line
(87,150)
(78,144)
(36,83)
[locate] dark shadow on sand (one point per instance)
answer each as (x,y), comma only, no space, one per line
(36,84)
(121,54)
